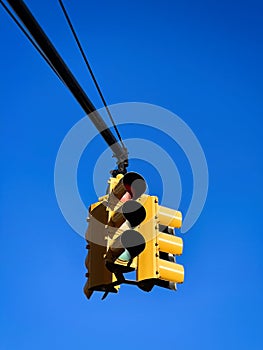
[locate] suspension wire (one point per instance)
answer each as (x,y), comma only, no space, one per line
(30,39)
(53,57)
(90,69)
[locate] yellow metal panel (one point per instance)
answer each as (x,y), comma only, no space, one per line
(113,182)
(147,268)
(99,277)
(114,198)
(98,217)
(170,244)
(93,206)
(147,262)
(150,266)
(98,274)
(170,271)
(169,217)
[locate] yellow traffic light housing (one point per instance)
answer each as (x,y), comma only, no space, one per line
(99,277)
(156,264)
(129,231)
(113,242)
(125,213)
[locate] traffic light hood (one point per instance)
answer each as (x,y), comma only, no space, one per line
(132,183)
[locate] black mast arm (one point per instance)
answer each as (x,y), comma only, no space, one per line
(70,81)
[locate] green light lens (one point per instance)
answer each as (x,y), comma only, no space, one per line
(125,256)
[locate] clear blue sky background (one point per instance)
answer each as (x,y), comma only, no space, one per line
(203,61)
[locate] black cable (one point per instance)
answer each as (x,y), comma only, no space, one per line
(29,38)
(48,49)
(89,69)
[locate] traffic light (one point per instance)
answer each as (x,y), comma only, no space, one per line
(156,264)
(128,230)
(113,242)
(125,214)
(99,277)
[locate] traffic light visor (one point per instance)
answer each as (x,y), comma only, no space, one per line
(132,183)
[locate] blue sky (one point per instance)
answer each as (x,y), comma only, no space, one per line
(201,60)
